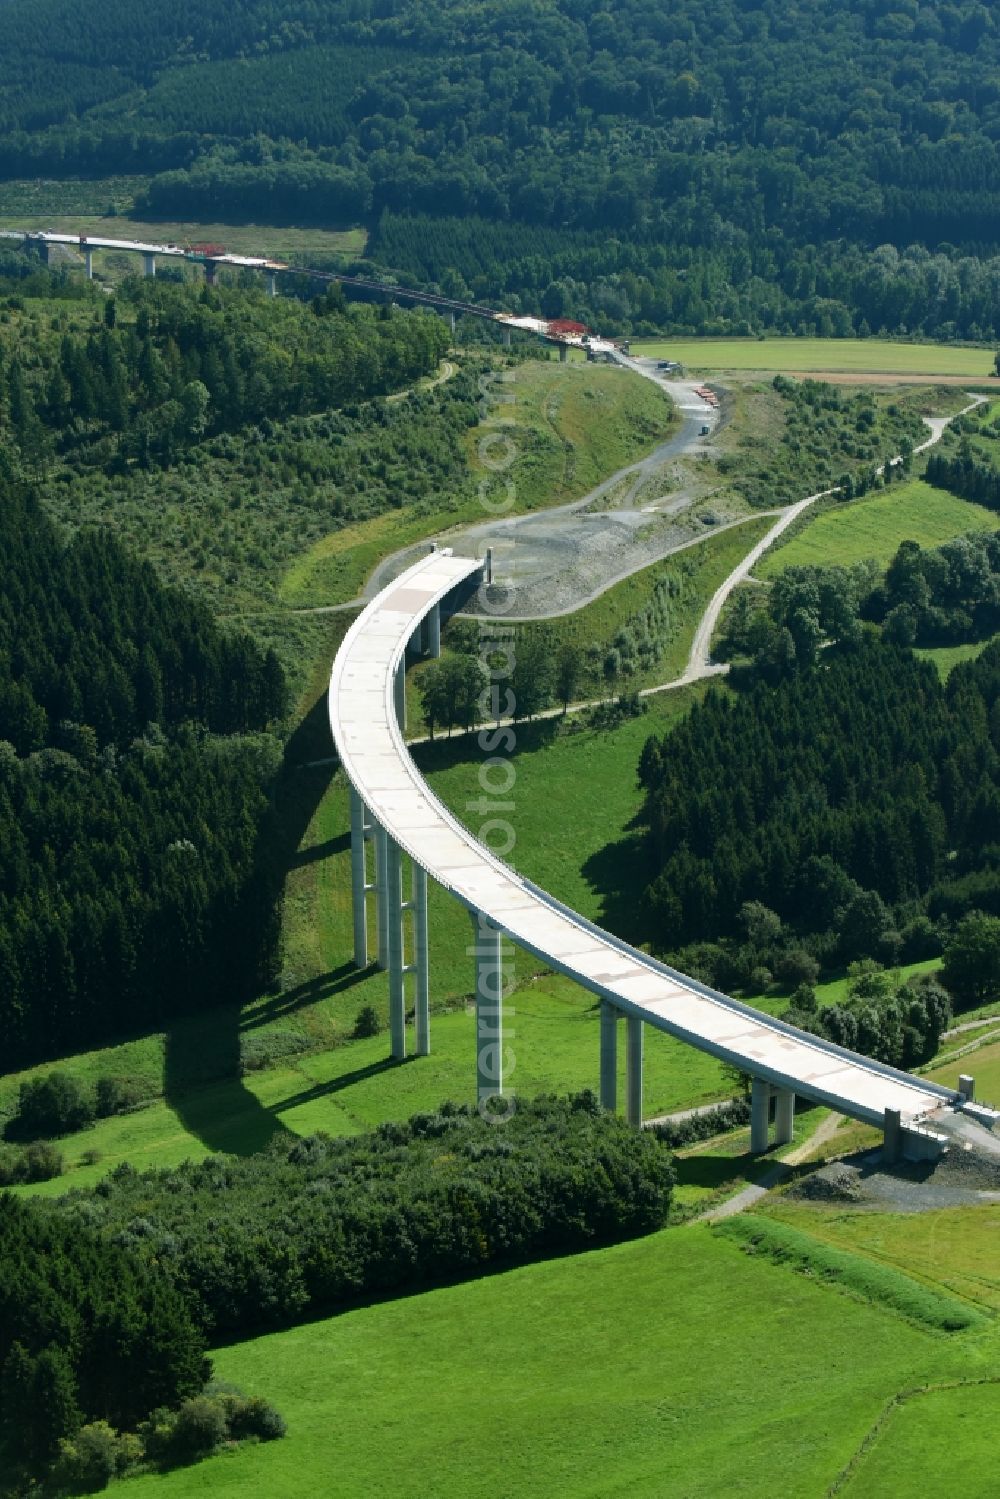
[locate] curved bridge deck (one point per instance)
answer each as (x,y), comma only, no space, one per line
(363,701)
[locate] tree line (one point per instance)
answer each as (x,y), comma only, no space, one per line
(314,1225)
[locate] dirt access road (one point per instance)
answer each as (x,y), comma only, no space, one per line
(560,559)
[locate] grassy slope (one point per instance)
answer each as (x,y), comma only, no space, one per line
(573,425)
(912,511)
(516,1385)
(831,355)
(947,657)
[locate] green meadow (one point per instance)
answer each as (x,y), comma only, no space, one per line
(821,355)
(673,1365)
(874,528)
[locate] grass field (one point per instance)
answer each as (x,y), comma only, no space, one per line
(947,657)
(573,425)
(637,1370)
(243,239)
(926,1439)
(984,1066)
(911,511)
(833,355)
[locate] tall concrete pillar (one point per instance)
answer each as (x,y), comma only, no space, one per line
(359,879)
(421,967)
(209,272)
(148,264)
(88,260)
(506,335)
(967,1087)
(399,689)
(563,353)
(450,319)
(397,977)
(633,1069)
(488,950)
(272,284)
(892,1141)
(433,631)
(760,1116)
(609,1056)
(784,1116)
(381,890)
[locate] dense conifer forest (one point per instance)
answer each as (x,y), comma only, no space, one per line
(829,166)
(134,773)
(867,810)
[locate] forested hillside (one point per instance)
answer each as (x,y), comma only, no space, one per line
(870,798)
(133,794)
(684,163)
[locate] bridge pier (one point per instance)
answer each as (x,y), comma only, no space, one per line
(433,631)
(784,1116)
(420,965)
(563,353)
(506,335)
(361,833)
(209,272)
(148,264)
(633,1070)
(488,951)
(397,980)
(760,1116)
(272,284)
(88,260)
(609,1056)
(381,887)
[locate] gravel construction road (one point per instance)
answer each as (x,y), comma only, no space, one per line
(560,559)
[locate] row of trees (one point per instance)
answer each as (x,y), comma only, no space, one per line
(309,1227)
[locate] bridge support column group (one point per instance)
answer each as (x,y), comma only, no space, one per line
(148,264)
(390,910)
(760,1115)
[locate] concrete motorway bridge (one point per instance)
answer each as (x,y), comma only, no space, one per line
(393,808)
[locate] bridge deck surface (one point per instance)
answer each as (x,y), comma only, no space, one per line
(374,756)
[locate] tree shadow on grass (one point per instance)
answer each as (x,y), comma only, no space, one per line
(202,1081)
(442,753)
(338,1084)
(322,987)
(619,873)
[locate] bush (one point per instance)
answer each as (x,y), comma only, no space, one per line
(52,1105)
(117,1095)
(367,1023)
(96,1455)
(198,1428)
(256,1418)
(43,1161)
